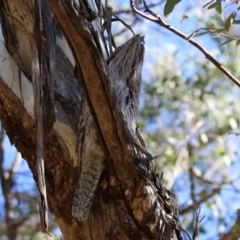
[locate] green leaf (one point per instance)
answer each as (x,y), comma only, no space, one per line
(228,41)
(207,3)
(191,36)
(219,8)
(236,22)
(213,5)
(169,6)
(229,21)
(220,29)
(200,34)
(184,17)
(212,25)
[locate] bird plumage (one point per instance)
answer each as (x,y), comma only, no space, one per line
(125,66)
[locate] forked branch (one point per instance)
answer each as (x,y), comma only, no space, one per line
(156,18)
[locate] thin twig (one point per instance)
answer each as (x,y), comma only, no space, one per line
(15,164)
(196,225)
(127,11)
(156,18)
(198,203)
(220,34)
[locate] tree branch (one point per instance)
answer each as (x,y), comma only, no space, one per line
(198,203)
(156,18)
(15,163)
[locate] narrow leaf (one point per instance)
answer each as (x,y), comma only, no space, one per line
(191,35)
(220,29)
(184,17)
(213,5)
(228,41)
(200,34)
(207,3)
(229,20)
(238,42)
(169,6)
(212,25)
(236,22)
(219,8)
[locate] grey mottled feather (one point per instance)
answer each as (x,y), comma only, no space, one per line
(91,164)
(125,66)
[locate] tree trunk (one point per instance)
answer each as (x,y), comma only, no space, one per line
(129,202)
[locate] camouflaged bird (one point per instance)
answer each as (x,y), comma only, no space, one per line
(125,66)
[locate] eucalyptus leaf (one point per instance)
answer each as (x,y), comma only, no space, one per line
(218,8)
(220,29)
(236,22)
(200,34)
(213,5)
(190,36)
(207,3)
(212,25)
(228,41)
(229,21)
(169,6)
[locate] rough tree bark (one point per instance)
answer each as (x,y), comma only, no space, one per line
(127,204)
(17,221)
